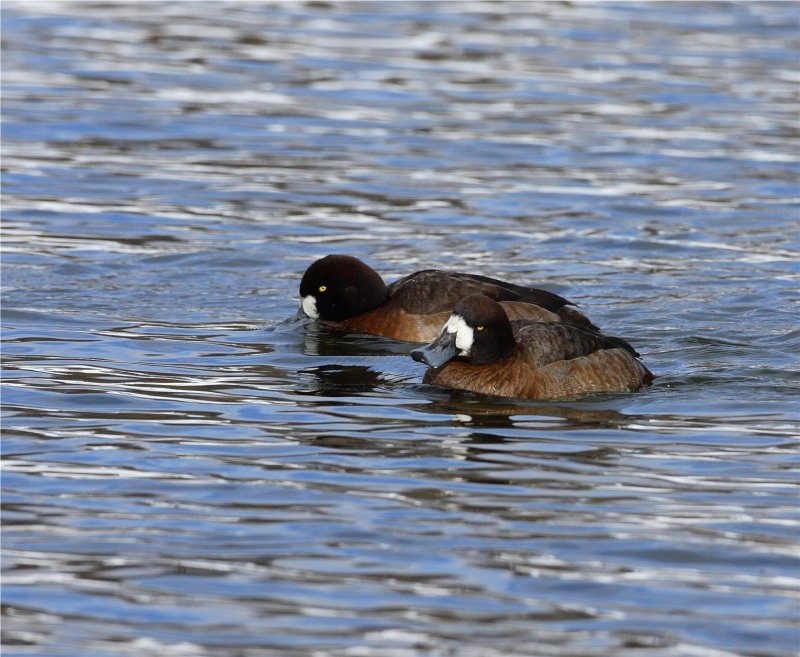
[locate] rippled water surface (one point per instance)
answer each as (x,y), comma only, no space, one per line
(192,470)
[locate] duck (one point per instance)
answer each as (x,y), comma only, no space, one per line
(481,350)
(346,294)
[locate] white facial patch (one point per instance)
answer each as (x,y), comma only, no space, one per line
(310,306)
(464,334)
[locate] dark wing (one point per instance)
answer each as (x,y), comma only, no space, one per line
(547,342)
(433,290)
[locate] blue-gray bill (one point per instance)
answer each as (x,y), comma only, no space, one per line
(438,352)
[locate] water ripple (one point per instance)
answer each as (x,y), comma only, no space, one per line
(191,469)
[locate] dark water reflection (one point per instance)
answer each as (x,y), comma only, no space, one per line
(192,470)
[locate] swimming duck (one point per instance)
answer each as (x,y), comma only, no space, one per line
(481,350)
(347,294)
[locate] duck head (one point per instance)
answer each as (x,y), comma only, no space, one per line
(478,331)
(338,287)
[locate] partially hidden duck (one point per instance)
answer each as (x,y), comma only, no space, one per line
(481,350)
(346,294)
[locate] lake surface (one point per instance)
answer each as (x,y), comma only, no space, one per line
(191,470)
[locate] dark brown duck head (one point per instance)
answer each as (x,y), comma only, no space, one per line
(338,287)
(478,332)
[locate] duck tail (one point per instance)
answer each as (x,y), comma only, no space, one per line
(612,342)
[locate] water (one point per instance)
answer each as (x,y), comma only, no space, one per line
(191,470)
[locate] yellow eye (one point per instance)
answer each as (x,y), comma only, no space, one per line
(479,328)
(322,288)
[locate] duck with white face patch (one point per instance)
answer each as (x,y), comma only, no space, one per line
(480,350)
(345,294)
